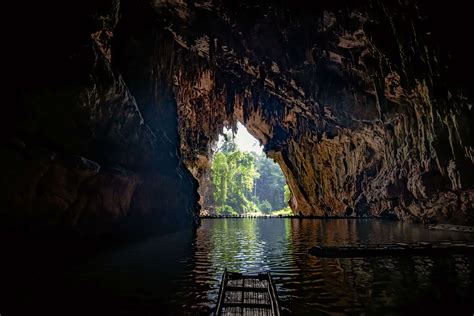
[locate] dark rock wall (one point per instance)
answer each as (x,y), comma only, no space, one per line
(366,105)
(81,148)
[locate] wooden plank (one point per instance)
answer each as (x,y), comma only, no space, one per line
(247,311)
(247,294)
(248,305)
(246,289)
(273,294)
(221,292)
(256,311)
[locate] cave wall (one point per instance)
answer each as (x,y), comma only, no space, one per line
(366,106)
(89,143)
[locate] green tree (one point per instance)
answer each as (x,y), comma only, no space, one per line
(270,185)
(233,177)
(226,210)
(265,207)
(220,179)
(242,174)
(246,182)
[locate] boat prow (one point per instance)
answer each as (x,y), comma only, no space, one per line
(247,294)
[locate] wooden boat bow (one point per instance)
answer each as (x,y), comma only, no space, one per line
(247,294)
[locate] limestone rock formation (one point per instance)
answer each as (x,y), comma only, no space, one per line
(365,105)
(353,100)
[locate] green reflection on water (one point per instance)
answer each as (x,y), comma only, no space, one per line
(311,285)
(237,245)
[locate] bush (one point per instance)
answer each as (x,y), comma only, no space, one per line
(252,208)
(265,206)
(225,210)
(284,212)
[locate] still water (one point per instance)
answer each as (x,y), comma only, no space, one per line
(310,285)
(179,274)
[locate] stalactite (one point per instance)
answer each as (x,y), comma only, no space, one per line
(355,103)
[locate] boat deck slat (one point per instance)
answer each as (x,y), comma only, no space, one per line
(247,294)
(246,289)
(238,311)
(248,305)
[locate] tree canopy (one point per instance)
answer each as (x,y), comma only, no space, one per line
(245,182)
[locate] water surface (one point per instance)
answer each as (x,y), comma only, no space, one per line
(179,274)
(311,285)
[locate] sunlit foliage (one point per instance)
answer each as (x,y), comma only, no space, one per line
(245,182)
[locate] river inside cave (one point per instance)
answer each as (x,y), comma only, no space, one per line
(179,274)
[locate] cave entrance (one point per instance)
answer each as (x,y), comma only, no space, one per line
(243,180)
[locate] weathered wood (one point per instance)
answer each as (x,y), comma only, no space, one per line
(247,294)
(246,289)
(398,249)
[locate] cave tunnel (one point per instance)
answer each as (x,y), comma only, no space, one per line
(108,133)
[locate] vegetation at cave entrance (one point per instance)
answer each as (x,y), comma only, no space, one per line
(246,182)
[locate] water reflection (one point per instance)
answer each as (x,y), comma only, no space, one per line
(179,274)
(311,285)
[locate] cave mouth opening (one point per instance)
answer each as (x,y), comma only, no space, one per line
(242,180)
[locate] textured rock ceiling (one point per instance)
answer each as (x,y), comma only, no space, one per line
(366,105)
(342,95)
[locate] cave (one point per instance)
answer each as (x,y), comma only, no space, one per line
(108,131)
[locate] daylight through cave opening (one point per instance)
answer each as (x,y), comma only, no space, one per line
(241,179)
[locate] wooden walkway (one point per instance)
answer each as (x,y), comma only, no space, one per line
(247,294)
(398,249)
